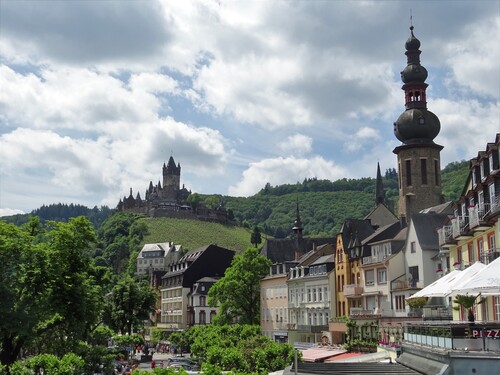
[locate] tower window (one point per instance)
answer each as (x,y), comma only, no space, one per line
(423,170)
(408,172)
(436,172)
(421,120)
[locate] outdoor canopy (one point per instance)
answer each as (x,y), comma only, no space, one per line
(437,288)
(485,282)
(444,286)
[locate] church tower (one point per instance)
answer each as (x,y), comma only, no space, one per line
(419,162)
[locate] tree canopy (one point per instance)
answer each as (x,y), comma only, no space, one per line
(130,304)
(238,292)
(48,285)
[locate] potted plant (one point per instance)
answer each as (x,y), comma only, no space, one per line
(468,303)
(416,304)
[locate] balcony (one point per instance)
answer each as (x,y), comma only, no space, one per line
(399,285)
(478,217)
(488,256)
(374,259)
(445,235)
(352,290)
(460,227)
(362,313)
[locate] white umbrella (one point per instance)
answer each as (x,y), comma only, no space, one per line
(485,282)
(465,276)
(439,287)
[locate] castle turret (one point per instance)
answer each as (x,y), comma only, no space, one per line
(419,162)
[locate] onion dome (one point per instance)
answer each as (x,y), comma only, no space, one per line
(412,42)
(416,124)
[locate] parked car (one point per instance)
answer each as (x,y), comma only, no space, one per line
(179,361)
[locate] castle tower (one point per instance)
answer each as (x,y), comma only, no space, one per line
(171,178)
(419,162)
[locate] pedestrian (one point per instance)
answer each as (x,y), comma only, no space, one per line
(162,364)
(153,364)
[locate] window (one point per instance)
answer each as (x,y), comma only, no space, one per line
(400,303)
(436,172)
(493,198)
(203,300)
(309,298)
(369,277)
(491,242)
(470,250)
(496,304)
(423,170)
(408,172)
(413,276)
(203,317)
(399,175)
(382,276)
(413,247)
(370,303)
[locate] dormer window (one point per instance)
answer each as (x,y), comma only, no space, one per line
(421,120)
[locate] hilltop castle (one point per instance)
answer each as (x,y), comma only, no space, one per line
(170,200)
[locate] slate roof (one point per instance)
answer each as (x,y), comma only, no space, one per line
(283,249)
(388,232)
(426,229)
(361,228)
(443,208)
(381,215)
(324,259)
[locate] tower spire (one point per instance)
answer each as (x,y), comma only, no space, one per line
(379,191)
(418,155)
(297,225)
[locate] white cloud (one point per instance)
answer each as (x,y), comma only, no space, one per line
(95,97)
(365,134)
(297,144)
(466,127)
(10,211)
(287,170)
(474,58)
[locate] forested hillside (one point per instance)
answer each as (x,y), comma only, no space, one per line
(63,212)
(323,204)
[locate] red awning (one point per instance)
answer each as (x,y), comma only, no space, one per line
(319,354)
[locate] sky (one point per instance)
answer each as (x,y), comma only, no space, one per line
(96,95)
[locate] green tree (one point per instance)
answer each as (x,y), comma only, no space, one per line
(238,292)
(48,288)
(130,304)
(240,348)
(256,238)
(25,283)
(194,200)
